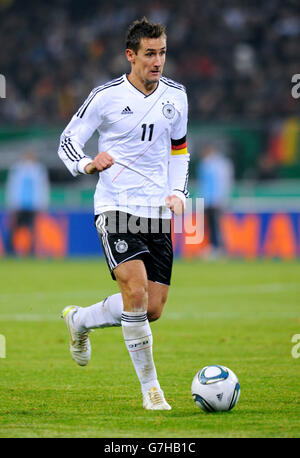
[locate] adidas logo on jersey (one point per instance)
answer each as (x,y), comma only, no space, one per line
(127,111)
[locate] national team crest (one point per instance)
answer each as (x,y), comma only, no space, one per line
(168,110)
(121,246)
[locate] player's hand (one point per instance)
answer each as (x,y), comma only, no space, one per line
(175,204)
(101,162)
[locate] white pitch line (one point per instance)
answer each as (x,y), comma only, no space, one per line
(172,316)
(263,288)
(252,289)
(224,315)
(57,295)
(255,288)
(29,317)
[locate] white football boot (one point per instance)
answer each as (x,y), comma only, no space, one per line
(80,346)
(154,399)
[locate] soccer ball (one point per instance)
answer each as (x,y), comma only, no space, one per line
(215,388)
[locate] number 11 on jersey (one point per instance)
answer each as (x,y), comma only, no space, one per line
(150,128)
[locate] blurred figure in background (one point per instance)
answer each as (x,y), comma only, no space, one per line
(26,194)
(214,184)
(267,168)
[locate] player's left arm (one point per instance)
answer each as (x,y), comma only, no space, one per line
(179,163)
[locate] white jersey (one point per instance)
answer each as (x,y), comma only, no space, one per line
(146,135)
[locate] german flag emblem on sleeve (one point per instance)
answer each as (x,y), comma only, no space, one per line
(179,146)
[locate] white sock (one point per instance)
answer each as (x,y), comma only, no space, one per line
(103,314)
(138,339)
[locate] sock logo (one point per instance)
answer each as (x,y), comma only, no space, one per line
(135,346)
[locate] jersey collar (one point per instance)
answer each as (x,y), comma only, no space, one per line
(134,89)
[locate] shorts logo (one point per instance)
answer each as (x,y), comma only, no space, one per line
(121,246)
(168,110)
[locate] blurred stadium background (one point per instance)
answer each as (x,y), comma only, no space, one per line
(236,59)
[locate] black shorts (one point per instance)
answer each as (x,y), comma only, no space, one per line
(126,237)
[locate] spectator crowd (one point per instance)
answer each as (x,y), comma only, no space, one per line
(236,58)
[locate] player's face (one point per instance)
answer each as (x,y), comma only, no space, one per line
(147,65)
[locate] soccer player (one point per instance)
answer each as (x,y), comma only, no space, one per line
(141,118)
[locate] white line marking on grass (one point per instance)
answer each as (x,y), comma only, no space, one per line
(261,288)
(200,315)
(264,288)
(223,315)
(56,294)
(192,291)
(29,317)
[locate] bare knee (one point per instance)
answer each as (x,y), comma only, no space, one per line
(155,307)
(132,280)
(154,315)
(135,296)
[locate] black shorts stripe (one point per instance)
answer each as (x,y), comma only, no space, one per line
(102,231)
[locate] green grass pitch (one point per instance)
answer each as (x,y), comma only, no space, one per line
(239,314)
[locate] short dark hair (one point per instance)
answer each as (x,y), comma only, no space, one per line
(142,29)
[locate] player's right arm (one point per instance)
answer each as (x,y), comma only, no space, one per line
(79,130)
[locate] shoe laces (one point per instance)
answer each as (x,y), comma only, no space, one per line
(81,340)
(155,396)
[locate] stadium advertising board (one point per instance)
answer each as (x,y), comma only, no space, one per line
(246,235)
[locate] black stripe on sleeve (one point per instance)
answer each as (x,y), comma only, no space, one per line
(76,152)
(186,181)
(172,83)
(96,90)
(70,150)
(178,142)
(80,114)
(185,190)
(69,154)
